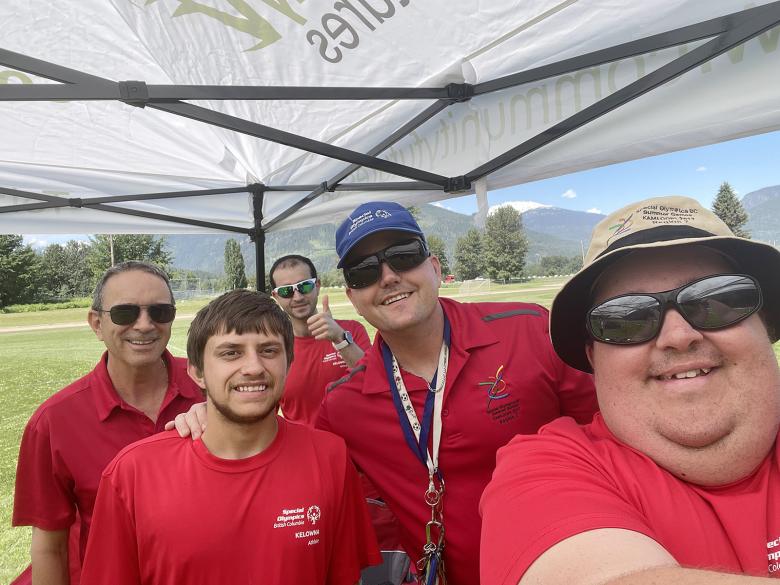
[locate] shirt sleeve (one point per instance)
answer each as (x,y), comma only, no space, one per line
(544,490)
(112,550)
(360,336)
(356,546)
(44,495)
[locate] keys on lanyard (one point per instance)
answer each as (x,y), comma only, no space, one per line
(430,567)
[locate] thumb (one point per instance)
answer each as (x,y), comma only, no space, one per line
(325,305)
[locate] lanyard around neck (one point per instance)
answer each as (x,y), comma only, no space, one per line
(415,433)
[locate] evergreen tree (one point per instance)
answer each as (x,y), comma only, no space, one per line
(144,247)
(469,261)
(504,244)
(727,207)
(438,249)
(235,270)
(18,271)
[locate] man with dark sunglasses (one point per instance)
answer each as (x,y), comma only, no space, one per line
(677,480)
(325,348)
(135,388)
(443,387)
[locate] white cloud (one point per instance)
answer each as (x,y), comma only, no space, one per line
(569,194)
(701,169)
(42,240)
(594,210)
(440,204)
(521,206)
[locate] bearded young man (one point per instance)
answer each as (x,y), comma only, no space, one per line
(677,480)
(256,499)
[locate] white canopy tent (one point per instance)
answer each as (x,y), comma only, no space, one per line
(247,116)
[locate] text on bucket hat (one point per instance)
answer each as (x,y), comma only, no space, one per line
(370,218)
(654,223)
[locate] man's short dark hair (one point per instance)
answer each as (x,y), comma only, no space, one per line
(127,266)
(288,262)
(238,311)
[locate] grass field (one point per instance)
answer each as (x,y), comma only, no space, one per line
(55,350)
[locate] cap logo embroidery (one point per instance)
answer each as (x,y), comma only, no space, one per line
(624,224)
(382,213)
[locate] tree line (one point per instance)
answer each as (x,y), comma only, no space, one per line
(71,270)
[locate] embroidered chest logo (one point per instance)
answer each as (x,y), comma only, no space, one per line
(313,514)
(297,516)
(773,555)
(495,386)
(500,410)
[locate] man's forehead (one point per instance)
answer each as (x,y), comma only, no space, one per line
(379,241)
(291,273)
(131,283)
(251,337)
(659,269)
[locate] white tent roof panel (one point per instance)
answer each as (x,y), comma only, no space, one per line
(85,149)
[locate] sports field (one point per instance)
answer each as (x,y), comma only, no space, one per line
(42,352)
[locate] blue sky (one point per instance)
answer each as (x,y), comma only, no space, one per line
(747,164)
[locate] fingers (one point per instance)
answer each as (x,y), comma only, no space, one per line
(191,423)
(325,305)
(322,326)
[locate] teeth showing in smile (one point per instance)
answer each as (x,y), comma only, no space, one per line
(259,388)
(688,374)
(142,342)
(392,300)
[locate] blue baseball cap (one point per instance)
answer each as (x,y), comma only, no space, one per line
(370,218)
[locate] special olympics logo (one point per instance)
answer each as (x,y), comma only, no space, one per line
(313,514)
(382,213)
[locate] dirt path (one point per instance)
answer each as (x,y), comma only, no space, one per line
(188,317)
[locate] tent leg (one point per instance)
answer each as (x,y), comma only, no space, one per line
(258,235)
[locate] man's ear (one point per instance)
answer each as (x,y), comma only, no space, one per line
(196,375)
(94,318)
(349,296)
(437,267)
(589,352)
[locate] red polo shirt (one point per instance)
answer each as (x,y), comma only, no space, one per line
(315,366)
(571,479)
(71,438)
(479,416)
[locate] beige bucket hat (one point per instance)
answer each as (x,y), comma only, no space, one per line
(654,223)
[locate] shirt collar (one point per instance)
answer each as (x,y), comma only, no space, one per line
(107,399)
(468,332)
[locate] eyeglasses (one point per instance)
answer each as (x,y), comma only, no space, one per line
(304,287)
(713,302)
(400,257)
(127,314)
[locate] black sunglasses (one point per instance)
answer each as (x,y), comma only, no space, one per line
(127,314)
(713,302)
(400,257)
(288,290)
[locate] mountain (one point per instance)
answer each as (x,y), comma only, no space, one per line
(763,208)
(550,231)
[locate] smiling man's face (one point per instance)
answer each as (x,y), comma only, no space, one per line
(142,342)
(398,301)
(703,404)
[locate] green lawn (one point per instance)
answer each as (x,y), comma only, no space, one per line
(34,364)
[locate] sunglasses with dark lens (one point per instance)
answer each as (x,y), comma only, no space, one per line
(400,257)
(304,287)
(128,313)
(713,302)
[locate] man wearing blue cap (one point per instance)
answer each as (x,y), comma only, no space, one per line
(444,386)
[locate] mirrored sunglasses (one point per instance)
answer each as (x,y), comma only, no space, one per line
(304,287)
(400,257)
(713,302)
(129,313)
